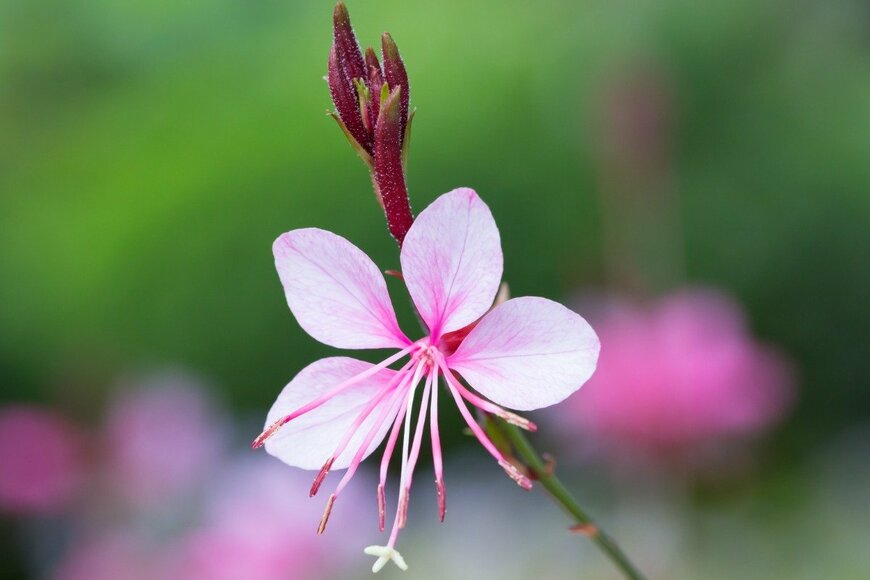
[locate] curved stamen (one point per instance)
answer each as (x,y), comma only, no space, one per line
(394,534)
(436,451)
(482,403)
(415,448)
(357,458)
(385,463)
(401,508)
(509,468)
(273,428)
(354,427)
(390,447)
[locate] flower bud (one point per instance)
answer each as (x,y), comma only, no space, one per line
(389,171)
(376,82)
(372,104)
(346,100)
(346,46)
(397,76)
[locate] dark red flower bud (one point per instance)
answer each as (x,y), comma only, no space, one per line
(349,56)
(389,172)
(372,109)
(374,67)
(346,100)
(376,81)
(396,76)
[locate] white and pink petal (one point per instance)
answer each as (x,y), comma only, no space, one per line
(335,291)
(528,353)
(452,261)
(309,440)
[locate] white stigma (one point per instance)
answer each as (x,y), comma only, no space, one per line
(385,554)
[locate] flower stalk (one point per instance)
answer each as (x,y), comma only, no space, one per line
(543,473)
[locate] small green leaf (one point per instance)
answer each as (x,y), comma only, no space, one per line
(363,154)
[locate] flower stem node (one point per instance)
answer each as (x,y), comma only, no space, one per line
(384,555)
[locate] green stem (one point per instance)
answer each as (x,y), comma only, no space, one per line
(563,497)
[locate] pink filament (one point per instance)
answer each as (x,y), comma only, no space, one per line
(269,431)
(401,508)
(403,378)
(418,434)
(475,428)
(436,451)
(482,403)
(376,426)
(415,447)
(400,376)
(391,443)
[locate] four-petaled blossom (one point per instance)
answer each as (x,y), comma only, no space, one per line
(524,354)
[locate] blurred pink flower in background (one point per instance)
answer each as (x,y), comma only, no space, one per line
(198,511)
(41,461)
(678,374)
(259,523)
(163,436)
(111,554)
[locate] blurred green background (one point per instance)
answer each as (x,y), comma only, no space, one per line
(151,151)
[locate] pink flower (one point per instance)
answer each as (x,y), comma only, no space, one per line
(109,555)
(41,461)
(255,526)
(164,435)
(680,374)
(524,354)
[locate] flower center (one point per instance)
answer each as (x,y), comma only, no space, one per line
(427,355)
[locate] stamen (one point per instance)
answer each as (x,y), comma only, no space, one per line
(512,471)
(482,403)
(515,474)
(394,434)
(376,425)
(273,428)
(320,477)
(436,453)
(348,434)
(472,424)
(262,437)
(382,507)
(370,406)
(394,273)
(515,419)
(388,551)
(421,423)
(391,442)
(326,512)
(403,507)
(415,450)
(442,498)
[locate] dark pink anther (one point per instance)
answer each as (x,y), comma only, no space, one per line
(315,487)
(442,498)
(389,172)
(382,508)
